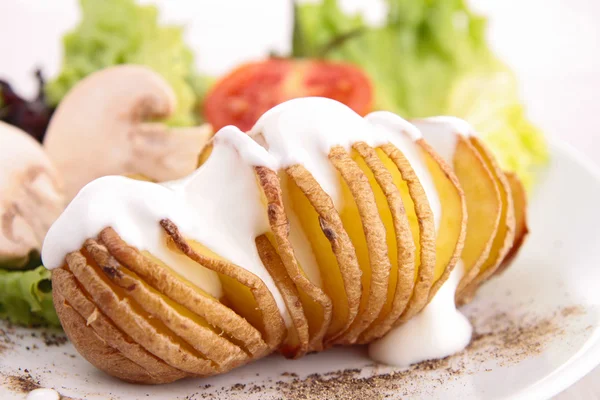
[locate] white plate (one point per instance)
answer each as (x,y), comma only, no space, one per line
(543,314)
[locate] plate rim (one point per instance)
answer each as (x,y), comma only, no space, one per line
(587,358)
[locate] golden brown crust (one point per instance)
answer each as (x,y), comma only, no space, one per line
(153,336)
(278,221)
(420,295)
(137,319)
(95,350)
(519,196)
(506,231)
(467,160)
(191,327)
(404,241)
(183,293)
(273,327)
(333,229)
(98,340)
(296,342)
(460,241)
(375,295)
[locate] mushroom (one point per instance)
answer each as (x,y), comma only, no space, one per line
(100,129)
(31,196)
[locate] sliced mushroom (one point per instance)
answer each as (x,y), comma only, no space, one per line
(99,129)
(31,196)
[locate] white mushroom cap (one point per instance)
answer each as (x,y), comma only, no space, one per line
(99,129)
(31,196)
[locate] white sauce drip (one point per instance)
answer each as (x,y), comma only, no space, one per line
(303,131)
(43,394)
(440,330)
(220,204)
(300,243)
(403,135)
(442,134)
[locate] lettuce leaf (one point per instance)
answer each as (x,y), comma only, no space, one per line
(489,101)
(430,57)
(115,32)
(26,298)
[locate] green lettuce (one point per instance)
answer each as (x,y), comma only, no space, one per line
(26,298)
(430,57)
(115,32)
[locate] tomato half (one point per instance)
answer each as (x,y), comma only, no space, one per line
(243,95)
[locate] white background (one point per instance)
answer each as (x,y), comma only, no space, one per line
(554,45)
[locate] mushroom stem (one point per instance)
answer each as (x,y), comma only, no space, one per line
(100,129)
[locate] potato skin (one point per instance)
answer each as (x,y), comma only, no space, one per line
(130,317)
(280,227)
(93,344)
(422,287)
(209,308)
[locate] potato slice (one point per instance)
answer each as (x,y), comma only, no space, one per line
(190,327)
(506,230)
(100,341)
(245,293)
(450,137)
(315,304)
(162,278)
(400,244)
(96,351)
(440,196)
(421,223)
(296,341)
(334,273)
(331,245)
(361,220)
(153,335)
(519,197)
(484,207)
(453,224)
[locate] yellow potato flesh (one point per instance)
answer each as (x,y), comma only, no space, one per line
(183,311)
(483,204)
(173,272)
(386,217)
(137,308)
(520,204)
(138,177)
(331,276)
(205,153)
(499,245)
(409,208)
(354,227)
(179,308)
(236,296)
(450,227)
(313,311)
(197,289)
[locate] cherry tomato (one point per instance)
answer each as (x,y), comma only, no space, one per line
(243,95)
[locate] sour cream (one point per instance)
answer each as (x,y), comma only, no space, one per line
(442,134)
(439,331)
(220,204)
(43,394)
